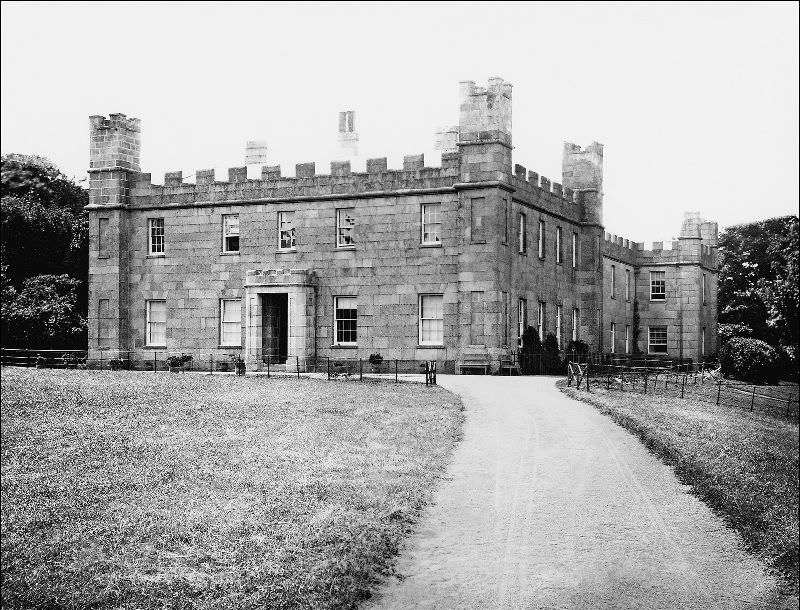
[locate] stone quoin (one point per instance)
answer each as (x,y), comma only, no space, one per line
(421,263)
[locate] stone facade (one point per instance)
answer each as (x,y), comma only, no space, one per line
(486,263)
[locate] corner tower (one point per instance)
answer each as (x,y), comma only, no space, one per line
(582,171)
(484,131)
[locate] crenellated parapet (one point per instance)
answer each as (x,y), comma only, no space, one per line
(306,183)
(541,192)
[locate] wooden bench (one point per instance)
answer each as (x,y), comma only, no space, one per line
(510,365)
(476,362)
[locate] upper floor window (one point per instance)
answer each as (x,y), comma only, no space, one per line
(479,217)
(286,231)
(658,286)
(230,233)
(613,280)
(346,320)
(102,238)
(657,339)
(230,322)
(574,250)
(345,227)
(431,319)
(523,234)
(558,246)
(704,289)
(155,235)
(541,239)
(156,323)
(627,284)
(431,223)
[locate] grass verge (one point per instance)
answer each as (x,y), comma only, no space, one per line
(187,491)
(743,465)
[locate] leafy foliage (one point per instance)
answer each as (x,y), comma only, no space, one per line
(576,346)
(750,360)
(758,279)
(44,240)
(637,328)
(531,342)
(729,331)
(550,344)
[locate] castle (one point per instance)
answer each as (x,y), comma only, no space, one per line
(419,263)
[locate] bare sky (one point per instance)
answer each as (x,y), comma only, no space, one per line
(696,104)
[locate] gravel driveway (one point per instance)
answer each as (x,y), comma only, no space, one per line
(549,504)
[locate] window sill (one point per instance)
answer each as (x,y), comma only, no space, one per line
(286,251)
(229,253)
(229,347)
(348,346)
(161,347)
(478,241)
(658,300)
(103,256)
(156,255)
(431,245)
(433,346)
(339,248)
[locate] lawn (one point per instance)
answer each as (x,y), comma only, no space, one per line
(142,490)
(744,465)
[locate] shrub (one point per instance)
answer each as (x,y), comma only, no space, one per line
(750,360)
(550,345)
(577,347)
(375,359)
(729,331)
(531,342)
(176,361)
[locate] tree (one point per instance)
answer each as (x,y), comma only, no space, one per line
(44,255)
(46,313)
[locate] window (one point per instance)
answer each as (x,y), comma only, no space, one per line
(286,231)
(523,234)
(431,223)
(627,339)
(102,238)
(574,250)
(703,342)
(230,322)
(658,289)
(345,320)
(575,318)
(230,233)
(541,239)
(558,246)
(506,306)
(613,280)
(540,321)
(479,217)
(522,319)
(155,235)
(103,323)
(431,319)
(657,340)
(157,323)
(507,217)
(704,289)
(613,336)
(345,227)
(347,121)
(558,325)
(627,284)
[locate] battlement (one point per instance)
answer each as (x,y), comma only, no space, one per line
(485,112)
(115,142)
(306,183)
(542,192)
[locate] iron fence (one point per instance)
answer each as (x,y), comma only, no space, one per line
(360,369)
(686,380)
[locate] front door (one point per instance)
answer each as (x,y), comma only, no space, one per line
(275,332)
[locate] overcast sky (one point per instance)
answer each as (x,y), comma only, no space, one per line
(696,104)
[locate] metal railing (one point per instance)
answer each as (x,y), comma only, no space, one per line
(360,369)
(686,380)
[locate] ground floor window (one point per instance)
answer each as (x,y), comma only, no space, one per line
(156,323)
(575,323)
(522,320)
(230,331)
(346,320)
(627,339)
(613,336)
(540,321)
(431,319)
(657,340)
(558,324)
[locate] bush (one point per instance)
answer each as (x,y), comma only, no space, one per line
(550,345)
(577,347)
(531,342)
(750,359)
(176,361)
(729,331)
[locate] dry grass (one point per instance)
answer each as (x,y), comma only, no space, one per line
(744,465)
(142,490)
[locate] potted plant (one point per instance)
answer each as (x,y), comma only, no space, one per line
(375,361)
(176,362)
(116,363)
(238,364)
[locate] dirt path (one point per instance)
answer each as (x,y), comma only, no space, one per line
(551,505)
